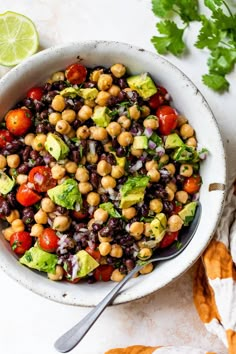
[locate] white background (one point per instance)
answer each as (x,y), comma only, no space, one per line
(30,324)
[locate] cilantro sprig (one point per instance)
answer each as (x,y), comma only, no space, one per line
(217,34)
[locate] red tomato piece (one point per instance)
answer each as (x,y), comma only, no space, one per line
(48,240)
(74,281)
(103,272)
(76,74)
(167,119)
(79,214)
(192,184)
(93,253)
(20,242)
(35,93)
(19,121)
(168,239)
(177,208)
(41,177)
(26,197)
(159,98)
(5,137)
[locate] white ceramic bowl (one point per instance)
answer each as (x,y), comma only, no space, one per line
(187,99)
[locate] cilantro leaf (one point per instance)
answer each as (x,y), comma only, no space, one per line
(224,22)
(188,10)
(209,35)
(162,8)
(213,4)
(172,39)
(215,82)
(222,60)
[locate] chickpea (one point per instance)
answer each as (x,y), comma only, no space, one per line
(124,122)
(107,147)
(108,182)
(181,196)
(71,167)
(186,170)
(145,253)
(21,179)
(154,175)
(94,76)
(58,103)
(191,142)
(114,129)
(170,168)
(85,113)
(125,139)
(149,165)
(58,172)
(93,198)
(164,160)
(114,90)
(13,216)
(28,140)
(134,112)
(90,103)
(104,248)
(136,152)
(7,233)
(63,127)
(3,162)
(103,168)
(90,224)
(39,142)
(156,205)
(13,161)
(174,223)
(98,133)
(181,120)
(104,238)
(91,158)
(61,223)
(136,230)
(58,76)
(186,131)
(117,171)
(58,274)
(83,132)
(100,215)
(41,217)
(147,229)
(36,230)
(129,213)
(104,82)
(82,174)
(151,122)
(145,111)
(118,70)
(68,115)
(102,98)
(17,225)
(85,187)
(171,193)
(148,268)
(47,205)
(83,160)
(116,251)
(117,276)
(54,117)
(172,186)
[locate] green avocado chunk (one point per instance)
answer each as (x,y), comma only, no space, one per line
(140,142)
(6,183)
(188,212)
(86,263)
(121,161)
(70,92)
(132,192)
(173,141)
(38,259)
(185,154)
(158,226)
(56,146)
(101,116)
(66,194)
(88,93)
(143,84)
(109,207)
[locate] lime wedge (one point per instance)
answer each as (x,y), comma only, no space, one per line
(18,38)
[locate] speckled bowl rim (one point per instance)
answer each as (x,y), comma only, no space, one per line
(35,59)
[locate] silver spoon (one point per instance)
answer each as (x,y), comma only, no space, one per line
(72,337)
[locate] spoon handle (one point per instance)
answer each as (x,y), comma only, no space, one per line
(72,337)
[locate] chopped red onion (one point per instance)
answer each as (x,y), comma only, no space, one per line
(77,207)
(49,222)
(140,203)
(151,144)
(83,229)
(90,243)
(203,155)
(148,132)
(196,197)
(92,147)
(167,96)
(30,185)
(75,267)
(127,227)
(91,210)
(160,151)
(136,166)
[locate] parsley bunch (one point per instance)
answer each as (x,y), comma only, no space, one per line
(217,34)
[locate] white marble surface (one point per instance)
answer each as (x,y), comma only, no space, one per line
(29,323)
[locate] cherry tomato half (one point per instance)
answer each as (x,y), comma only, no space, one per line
(168,239)
(41,177)
(79,214)
(167,119)
(48,240)
(192,184)
(103,272)
(76,74)
(93,253)
(20,242)
(159,98)
(25,196)
(35,93)
(18,121)
(176,208)
(5,137)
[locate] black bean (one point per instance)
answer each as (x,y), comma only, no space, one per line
(132,96)
(26,153)
(93,237)
(34,154)
(94,180)
(180,180)
(165,175)
(96,227)
(29,103)
(71,243)
(39,161)
(120,152)
(49,96)
(23,169)
(80,226)
(76,156)
(41,128)
(76,124)
(113,223)
(39,106)
(111,159)
(122,83)
(122,180)
(47,87)
(48,158)
(60,209)
(105,231)
(77,105)
(115,143)
(122,268)
(44,114)
(104,198)
(28,215)
(5,208)
(89,84)
(112,101)
(58,85)
(136,128)
(92,167)
(11,198)
(121,97)
(13,147)
(144,210)
(91,279)
(129,264)
(168,207)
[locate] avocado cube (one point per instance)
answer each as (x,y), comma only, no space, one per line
(143,84)
(173,141)
(101,116)
(158,226)
(56,146)
(140,142)
(86,263)
(70,92)
(88,93)
(188,212)
(6,183)
(66,194)
(121,161)
(36,258)
(132,192)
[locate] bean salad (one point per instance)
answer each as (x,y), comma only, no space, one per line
(97,171)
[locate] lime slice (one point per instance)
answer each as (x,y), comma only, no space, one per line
(18,38)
